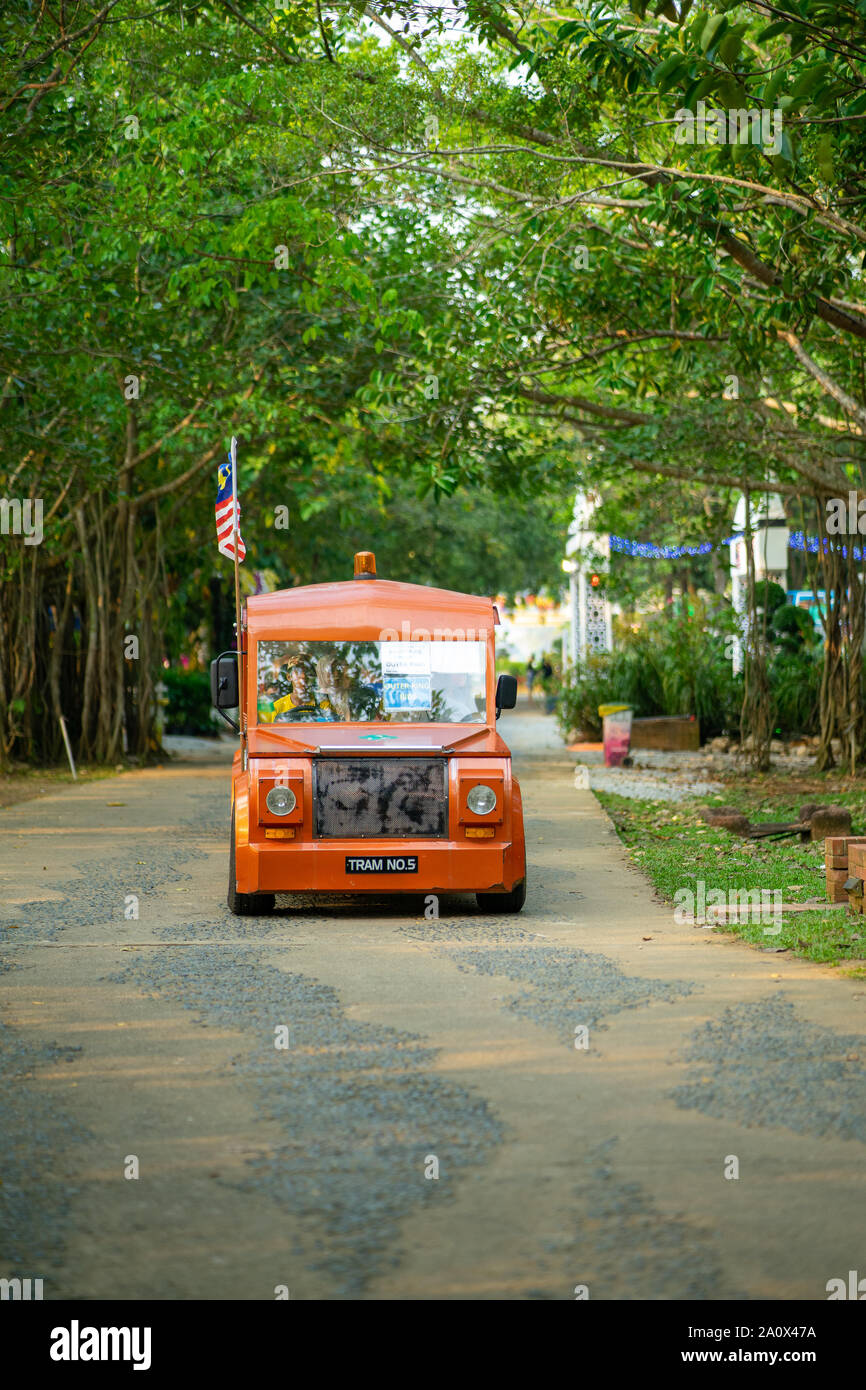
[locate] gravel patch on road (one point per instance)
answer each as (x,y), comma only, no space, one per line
(35,1135)
(357,1104)
(229,929)
(473,932)
(35,1140)
(763,1064)
(98,896)
(627,1248)
(209,822)
(569,987)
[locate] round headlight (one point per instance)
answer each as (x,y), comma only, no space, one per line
(280,801)
(481,800)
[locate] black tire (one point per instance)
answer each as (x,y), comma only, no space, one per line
(245,904)
(503,902)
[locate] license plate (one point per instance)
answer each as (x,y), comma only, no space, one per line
(381,863)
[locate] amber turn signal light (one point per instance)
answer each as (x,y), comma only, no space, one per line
(365,564)
(287,833)
(480,832)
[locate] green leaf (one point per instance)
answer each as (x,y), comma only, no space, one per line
(824,157)
(705,86)
(774,86)
(781,26)
(714,28)
(670,64)
(696,27)
(809,80)
(733,93)
(729,48)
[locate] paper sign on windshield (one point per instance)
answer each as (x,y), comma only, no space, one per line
(405,658)
(407,692)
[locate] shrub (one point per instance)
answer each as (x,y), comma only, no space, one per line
(189,707)
(674,664)
(792,628)
(769,596)
(795,682)
(581,695)
(679,663)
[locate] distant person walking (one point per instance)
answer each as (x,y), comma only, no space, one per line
(547,685)
(531,673)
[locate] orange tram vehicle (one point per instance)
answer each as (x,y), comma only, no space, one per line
(369,760)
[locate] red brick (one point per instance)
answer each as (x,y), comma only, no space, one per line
(841,844)
(836,888)
(857,860)
(837,875)
(838,847)
(837,844)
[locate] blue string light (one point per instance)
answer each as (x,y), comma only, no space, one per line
(645,550)
(812,543)
(798,541)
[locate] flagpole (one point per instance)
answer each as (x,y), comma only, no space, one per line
(234,459)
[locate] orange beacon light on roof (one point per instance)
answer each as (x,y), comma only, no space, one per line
(365,565)
(371,761)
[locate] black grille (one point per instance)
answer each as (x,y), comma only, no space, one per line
(395,797)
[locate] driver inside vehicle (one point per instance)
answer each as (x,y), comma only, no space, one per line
(303,700)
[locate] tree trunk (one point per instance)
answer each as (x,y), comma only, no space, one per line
(841,698)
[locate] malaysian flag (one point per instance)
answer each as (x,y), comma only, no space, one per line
(228,510)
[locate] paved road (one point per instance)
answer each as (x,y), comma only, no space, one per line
(412,1044)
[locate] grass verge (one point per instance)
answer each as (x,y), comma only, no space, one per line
(24,784)
(676,850)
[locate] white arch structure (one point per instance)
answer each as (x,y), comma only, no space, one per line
(586,553)
(770,536)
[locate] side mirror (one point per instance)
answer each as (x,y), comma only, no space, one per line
(506,693)
(224,684)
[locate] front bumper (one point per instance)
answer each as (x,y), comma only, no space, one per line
(444,866)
